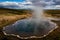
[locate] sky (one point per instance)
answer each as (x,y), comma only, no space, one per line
(12,0)
(26,4)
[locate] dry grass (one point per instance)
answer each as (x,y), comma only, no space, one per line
(52,13)
(4,20)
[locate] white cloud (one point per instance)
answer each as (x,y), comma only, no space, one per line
(58,6)
(41,2)
(57,0)
(52,7)
(15,5)
(48,4)
(28,4)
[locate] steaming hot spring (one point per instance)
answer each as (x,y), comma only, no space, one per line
(35,27)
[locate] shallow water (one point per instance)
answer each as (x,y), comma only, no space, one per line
(26,28)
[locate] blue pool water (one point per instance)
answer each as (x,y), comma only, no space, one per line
(27,28)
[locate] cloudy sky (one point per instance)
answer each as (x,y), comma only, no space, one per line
(26,4)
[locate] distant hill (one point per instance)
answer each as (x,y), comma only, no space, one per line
(52,11)
(14,11)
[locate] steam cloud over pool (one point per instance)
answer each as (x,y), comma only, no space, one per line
(35,27)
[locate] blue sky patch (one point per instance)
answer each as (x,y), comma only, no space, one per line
(12,0)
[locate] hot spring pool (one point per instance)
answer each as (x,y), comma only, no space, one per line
(29,29)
